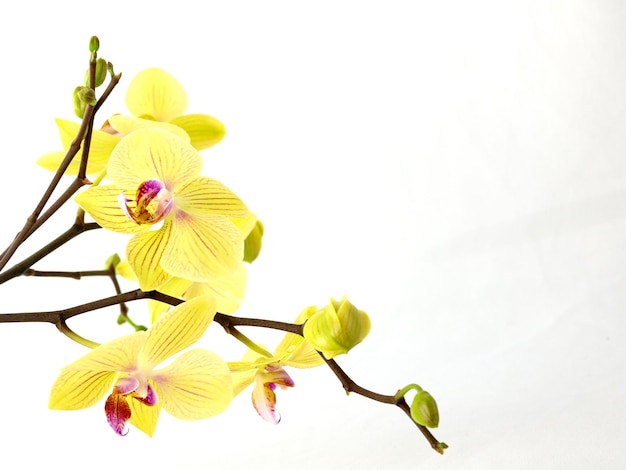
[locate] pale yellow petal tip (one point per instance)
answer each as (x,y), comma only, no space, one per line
(127,124)
(156,94)
(203,130)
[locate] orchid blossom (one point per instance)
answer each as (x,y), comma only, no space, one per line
(267,373)
(196,385)
(157,183)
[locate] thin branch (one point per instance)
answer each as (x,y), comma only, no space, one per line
(20,268)
(36,219)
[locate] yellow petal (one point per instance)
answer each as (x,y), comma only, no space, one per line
(157,94)
(145,417)
(196,385)
(242,379)
(176,330)
(102,203)
(102,144)
(228,290)
(68,130)
(126,124)
(253,243)
(175,287)
(202,248)
(204,195)
(85,381)
(204,131)
(152,153)
(144,252)
(123,269)
(245,224)
(294,351)
(79,389)
(52,160)
(117,355)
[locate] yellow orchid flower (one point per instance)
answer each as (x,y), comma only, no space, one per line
(267,373)
(155,94)
(196,385)
(156,180)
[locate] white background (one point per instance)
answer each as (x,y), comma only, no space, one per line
(456,168)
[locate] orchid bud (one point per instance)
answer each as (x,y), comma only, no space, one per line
(424,410)
(94,44)
(336,328)
(102,68)
(79,104)
(86,95)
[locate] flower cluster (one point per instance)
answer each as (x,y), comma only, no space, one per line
(189,238)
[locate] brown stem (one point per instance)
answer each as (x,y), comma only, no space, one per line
(36,219)
(20,268)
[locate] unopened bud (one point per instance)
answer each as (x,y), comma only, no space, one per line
(114,260)
(336,328)
(101,73)
(87,95)
(94,44)
(424,410)
(79,104)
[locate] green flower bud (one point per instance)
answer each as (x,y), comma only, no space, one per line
(114,260)
(424,410)
(336,328)
(79,104)
(87,95)
(252,245)
(94,44)
(101,73)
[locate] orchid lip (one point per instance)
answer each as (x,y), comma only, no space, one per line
(153,201)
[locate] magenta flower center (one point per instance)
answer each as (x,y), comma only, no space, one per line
(153,201)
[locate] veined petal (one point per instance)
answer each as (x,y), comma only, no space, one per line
(117,355)
(127,124)
(144,253)
(155,93)
(204,195)
(228,290)
(204,131)
(202,248)
(294,350)
(176,330)
(153,153)
(79,389)
(102,203)
(196,385)
(145,417)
